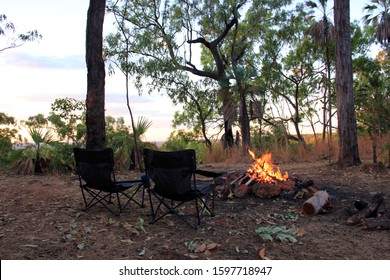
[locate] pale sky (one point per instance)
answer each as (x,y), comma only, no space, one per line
(35,74)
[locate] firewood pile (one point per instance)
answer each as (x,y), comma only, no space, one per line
(264,180)
(372,214)
(241,185)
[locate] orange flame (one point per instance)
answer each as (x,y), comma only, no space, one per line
(263,169)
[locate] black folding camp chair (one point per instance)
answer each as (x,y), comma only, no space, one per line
(95,170)
(170,178)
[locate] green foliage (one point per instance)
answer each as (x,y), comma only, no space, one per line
(61,157)
(120,139)
(181,140)
(56,157)
(280,233)
(377,15)
(200,148)
(121,142)
(178,140)
(40,136)
(142,126)
(14,40)
(174,143)
(263,142)
(5,150)
(386,152)
(31,160)
(372,96)
(200,105)
(68,118)
(7,133)
(35,158)
(37,121)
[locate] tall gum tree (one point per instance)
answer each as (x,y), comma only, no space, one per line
(95,118)
(347,128)
(178,28)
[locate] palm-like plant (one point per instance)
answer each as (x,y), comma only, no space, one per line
(39,136)
(139,131)
(322,33)
(322,30)
(378,15)
(128,146)
(143,124)
(31,157)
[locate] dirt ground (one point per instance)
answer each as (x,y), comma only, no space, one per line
(40,218)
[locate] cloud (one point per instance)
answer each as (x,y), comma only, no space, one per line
(68,62)
(150,106)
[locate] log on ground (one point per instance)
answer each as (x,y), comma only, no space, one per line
(319,201)
(371,209)
(376,223)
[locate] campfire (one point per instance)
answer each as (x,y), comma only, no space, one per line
(262,179)
(265,180)
(263,169)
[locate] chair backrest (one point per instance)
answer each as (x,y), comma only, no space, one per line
(96,168)
(171,172)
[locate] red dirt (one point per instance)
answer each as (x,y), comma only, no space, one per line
(41,219)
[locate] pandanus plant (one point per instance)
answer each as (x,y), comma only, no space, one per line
(31,156)
(39,136)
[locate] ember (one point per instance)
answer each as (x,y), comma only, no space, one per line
(263,169)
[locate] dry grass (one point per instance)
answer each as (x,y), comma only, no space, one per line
(229,156)
(315,150)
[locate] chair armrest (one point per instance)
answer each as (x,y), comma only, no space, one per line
(207,173)
(148,183)
(128,183)
(133,182)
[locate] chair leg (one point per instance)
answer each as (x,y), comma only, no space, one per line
(170,209)
(132,197)
(104,200)
(119,203)
(212,203)
(197,209)
(97,198)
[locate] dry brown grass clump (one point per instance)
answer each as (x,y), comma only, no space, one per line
(314,150)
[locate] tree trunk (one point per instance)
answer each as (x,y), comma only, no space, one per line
(296,118)
(137,155)
(374,151)
(95,116)
(244,122)
(229,115)
(324,116)
(328,83)
(329,86)
(348,144)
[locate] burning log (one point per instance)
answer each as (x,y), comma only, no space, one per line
(242,191)
(319,201)
(239,178)
(371,215)
(266,190)
(287,185)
